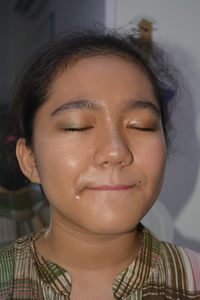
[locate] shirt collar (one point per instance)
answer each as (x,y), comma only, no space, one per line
(141,268)
(124,284)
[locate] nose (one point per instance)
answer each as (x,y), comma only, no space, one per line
(113,150)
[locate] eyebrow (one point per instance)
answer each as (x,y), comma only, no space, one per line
(93,105)
(76,105)
(143,104)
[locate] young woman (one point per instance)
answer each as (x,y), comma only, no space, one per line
(91,124)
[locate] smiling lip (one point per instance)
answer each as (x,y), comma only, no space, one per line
(111,187)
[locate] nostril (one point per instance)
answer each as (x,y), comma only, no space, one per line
(105,163)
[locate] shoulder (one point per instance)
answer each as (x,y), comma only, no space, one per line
(7,253)
(180,255)
(181,264)
(8,257)
(175,271)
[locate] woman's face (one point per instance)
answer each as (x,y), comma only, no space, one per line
(99,146)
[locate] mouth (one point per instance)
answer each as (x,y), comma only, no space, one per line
(111,187)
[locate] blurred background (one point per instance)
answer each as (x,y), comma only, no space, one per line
(26,24)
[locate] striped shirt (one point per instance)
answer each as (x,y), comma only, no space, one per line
(160,271)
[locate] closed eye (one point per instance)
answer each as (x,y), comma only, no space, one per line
(78,129)
(142,128)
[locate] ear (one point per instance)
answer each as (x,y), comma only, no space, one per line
(26,161)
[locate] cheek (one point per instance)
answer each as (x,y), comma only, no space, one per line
(60,162)
(152,159)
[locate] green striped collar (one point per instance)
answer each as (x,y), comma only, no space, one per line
(124,284)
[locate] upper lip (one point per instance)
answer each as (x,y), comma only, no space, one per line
(111,187)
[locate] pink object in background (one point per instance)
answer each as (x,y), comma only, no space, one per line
(10,138)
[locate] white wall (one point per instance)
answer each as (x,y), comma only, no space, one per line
(178,24)
(110,13)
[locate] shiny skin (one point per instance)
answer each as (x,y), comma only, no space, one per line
(76,149)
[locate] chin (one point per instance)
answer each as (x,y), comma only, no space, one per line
(112,226)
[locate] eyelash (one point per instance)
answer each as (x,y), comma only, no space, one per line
(87,128)
(77,129)
(142,128)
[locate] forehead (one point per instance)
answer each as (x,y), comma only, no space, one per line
(109,79)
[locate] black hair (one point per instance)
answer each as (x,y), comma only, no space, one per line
(10,179)
(54,57)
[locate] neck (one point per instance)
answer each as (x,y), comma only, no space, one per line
(73,248)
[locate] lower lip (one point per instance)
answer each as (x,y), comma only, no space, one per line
(111,188)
